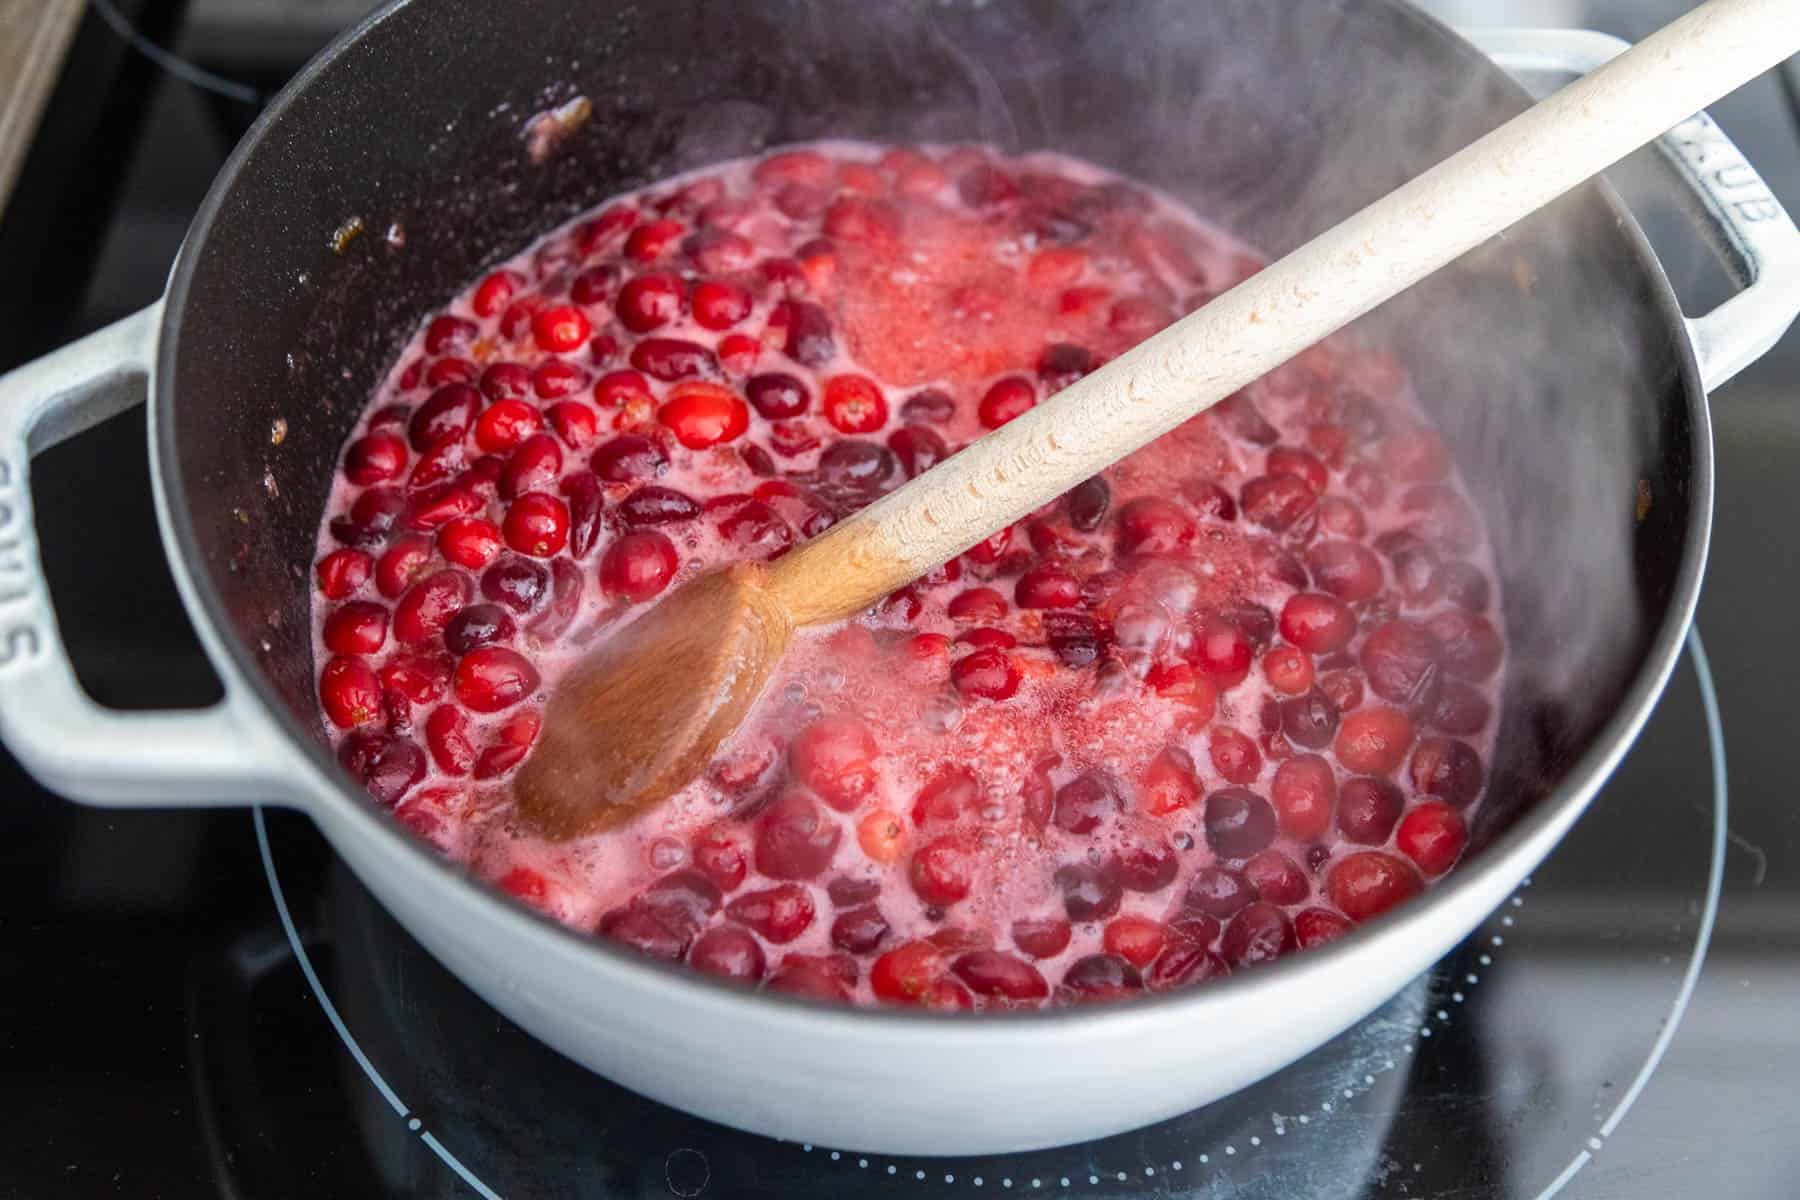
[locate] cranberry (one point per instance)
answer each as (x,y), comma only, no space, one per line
(907,974)
(359,627)
(720,305)
(1144,861)
(1415,456)
(506,381)
(1286,460)
(1237,413)
(628,458)
(1210,500)
(586,509)
(1316,926)
(1062,363)
(835,757)
(722,853)
(448,414)
(780,914)
(515,582)
(1458,708)
(794,840)
(1047,586)
(452,747)
(1089,893)
(653,239)
(1150,525)
(1433,836)
(929,407)
(342,572)
(1259,934)
(477,625)
(375,458)
(1073,638)
(1368,883)
(1277,502)
(994,973)
(447,334)
(946,796)
(1006,400)
(1448,769)
(849,892)
(670,359)
(428,605)
(1368,809)
(493,678)
(560,329)
(859,930)
(1400,659)
(1303,792)
(1169,783)
(882,836)
(704,414)
(1347,570)
(1373,741)
(1099,977)
(1464,586)
(986,674)
(858,466)
(1234,755)
(641,930)
(807,981)
(1469,646)
(809,339)
(1185,961)
(1288,670)
(1238,822)
(532,467)
(918,449)
(350,692)
(1218,892)
(1041,937)
(1277,878)
(943,870)
(728,953)
(400,564)
(494,292)
(777,396)
(638,565)
(434,506)
(650,301)
(1222,651)
(387,767)
(854,404)
(984,186)
(537,524)
(1310,720)
(1085,801)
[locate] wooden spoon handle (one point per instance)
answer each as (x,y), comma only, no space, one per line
(1288,306)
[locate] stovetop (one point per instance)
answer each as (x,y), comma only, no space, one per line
(207,1003)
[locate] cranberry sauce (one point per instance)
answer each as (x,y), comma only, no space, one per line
(1216,704)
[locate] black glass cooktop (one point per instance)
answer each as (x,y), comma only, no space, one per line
(205,1004)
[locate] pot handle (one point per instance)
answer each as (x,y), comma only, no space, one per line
(1743,218)
(218,755)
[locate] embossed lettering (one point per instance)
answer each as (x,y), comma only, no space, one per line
(1735,175)
(19,646)
(1763,209)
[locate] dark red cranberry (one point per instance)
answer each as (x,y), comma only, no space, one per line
(1277,502)
(586,509)
(477,625)
(1073,638)
(943,870)
(1210,500)
(682,900)
(809,338)
(984,185)
(532,467)
(1254,621)
(1400,660)
(1087,503)
(1144,862)
(729,953)
(387,767)
(670,359)
(516,582)
(371,518)
(1464,586)
(449,413)
(1309,720)
(994,973)
(1099,977)
(506,381)
(1151,525)
(757,529)
(1316,926)
(847,891)
(1260,933)
(1471,649)
(640,929)
(1275,564)
(794,840)
(1277,878)
(1241,420)
(1085,801)
(1089,893)
(446,335)
(780,913)
(1047,586)
(653,504)
(628,458)
(1238,822)
(1447,768)
(375,458)
(555,379)
(1301,464)
(859,930)
(777,396)
(858,465)
(1185,961)
(437,506)
(919,449)
(1347,570)
(1367,809)
(1218,892)
(1458,708)
(1041,937)
(929,407)
(1062,363)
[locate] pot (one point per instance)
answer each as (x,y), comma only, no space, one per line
(394,167)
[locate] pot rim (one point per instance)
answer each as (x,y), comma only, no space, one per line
(1532,835)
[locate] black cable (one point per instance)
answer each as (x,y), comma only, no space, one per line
(172,63)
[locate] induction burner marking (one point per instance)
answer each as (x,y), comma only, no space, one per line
(1715,880)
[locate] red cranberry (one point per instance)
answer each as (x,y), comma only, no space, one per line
(986,674)
(477,625)
(929,407)
(641,930)
(835,757)
(943,870)
(628,458)
(1150,525)
(1087,800)
(1373,741)
(1144,861)
(993,973)
(1316,926)
(1303,792)
(1310,720)
(1277,502)
(1222,651)
(1210,500)
(1169,784)
(493,678)
(794,840)
(386,766)
(449,413)
(722,853)
(1184,962)
(777,396)
(670,359)
(1367,810)
(1289,670)
(1458,708)
(532,467)
(1433,836)
(375,458)
(907,974)
(1238,822)
(401,564)
(1006,400)
(918,449)
(350,692)
(1470,648)
(653,239)
(1400,659)
(638,565)
(505,424)
(495,292)
(586,509)
(515,322)
(728,953)
(1464,586)
(809,340)
(1347,570)
(1041,937)
(1137,940)
(1218,892)
(1368,883)
(560,329)
(1089,893)
(720,305)
(446,335)
(849,892)
(704,414)
(515,582)
(650,301)
(946,796)
(1448,769)
(359,627)
(428,606)
(1277,878)
(452,747)
(781,913)
(506,381)
(859,930)
(435,506)
(1259,934)
(1286,460)
(1073,638)
(537,524)
(1234,755)
(854,404)
(1047,586)
(342,572)
(985,186)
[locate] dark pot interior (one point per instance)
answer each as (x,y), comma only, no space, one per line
(1550,358)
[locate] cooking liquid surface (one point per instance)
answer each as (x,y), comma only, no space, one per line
(1097,724)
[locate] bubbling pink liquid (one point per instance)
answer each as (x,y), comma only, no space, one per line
(1109,750)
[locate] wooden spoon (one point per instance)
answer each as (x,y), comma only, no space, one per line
(643,715)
